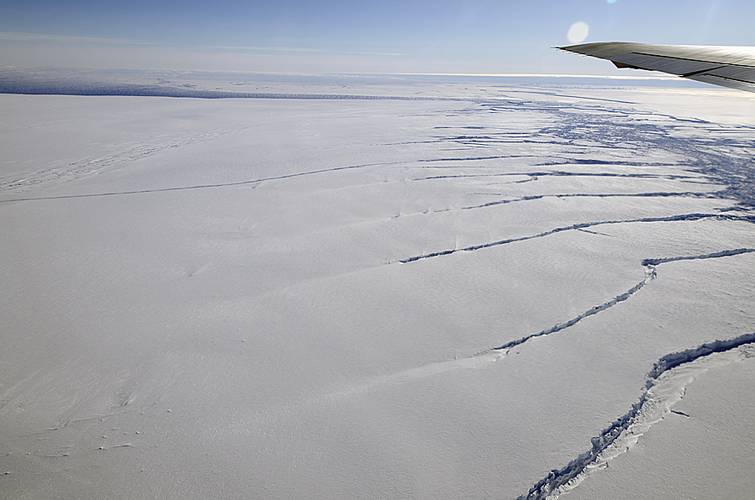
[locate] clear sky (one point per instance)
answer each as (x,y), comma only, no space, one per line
(309,36)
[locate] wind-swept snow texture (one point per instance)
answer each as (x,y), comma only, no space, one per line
(370,287)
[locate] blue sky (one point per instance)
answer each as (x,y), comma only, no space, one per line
(299,36)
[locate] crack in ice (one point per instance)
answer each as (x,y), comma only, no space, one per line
(494,354)
(252,182)
(655,403)
(650,274)
(581,225)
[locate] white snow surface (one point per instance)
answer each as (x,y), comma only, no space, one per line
(293,298)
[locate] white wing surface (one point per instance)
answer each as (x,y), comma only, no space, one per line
(728,66)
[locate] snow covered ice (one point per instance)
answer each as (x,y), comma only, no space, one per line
(460,289)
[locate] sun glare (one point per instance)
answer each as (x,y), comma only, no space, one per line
(578,32)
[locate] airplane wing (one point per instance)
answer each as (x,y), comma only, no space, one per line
(728,66)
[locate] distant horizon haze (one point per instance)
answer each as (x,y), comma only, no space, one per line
(335,36)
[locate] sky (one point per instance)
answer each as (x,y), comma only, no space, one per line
(342,36)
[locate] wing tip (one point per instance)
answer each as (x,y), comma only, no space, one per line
(582,48)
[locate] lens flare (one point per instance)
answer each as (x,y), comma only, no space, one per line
(578,32)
